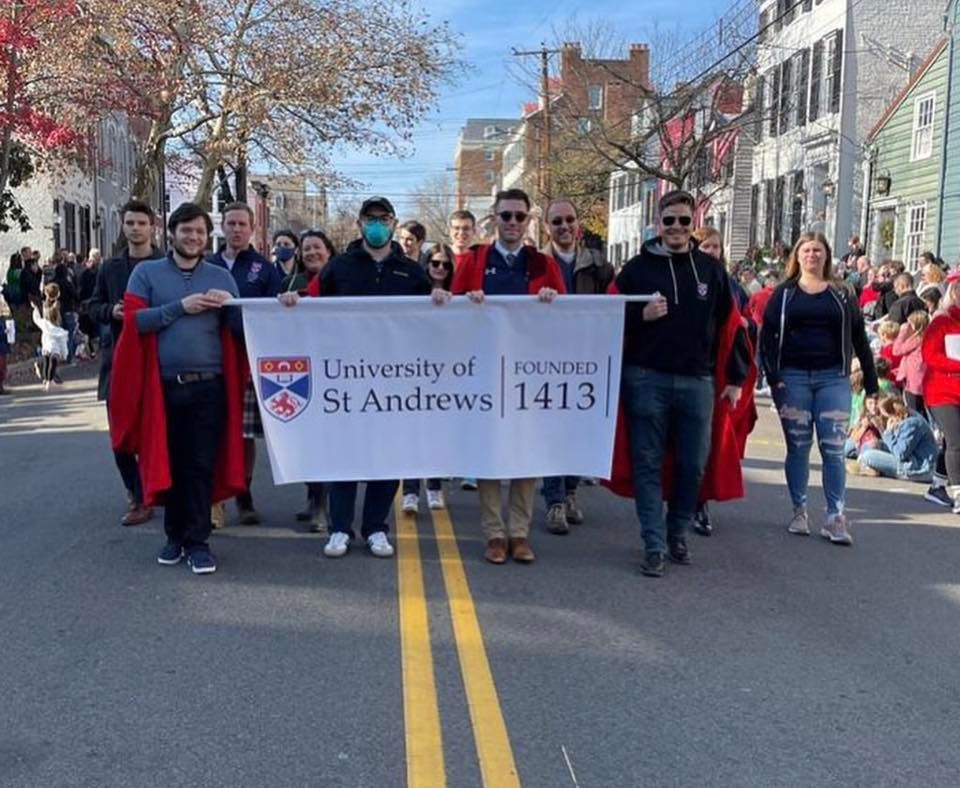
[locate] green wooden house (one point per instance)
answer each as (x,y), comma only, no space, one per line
(904,166)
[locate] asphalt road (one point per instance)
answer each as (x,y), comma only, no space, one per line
(773,660)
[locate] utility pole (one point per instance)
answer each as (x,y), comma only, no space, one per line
(543,158)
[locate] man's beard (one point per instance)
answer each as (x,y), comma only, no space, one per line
(185,254)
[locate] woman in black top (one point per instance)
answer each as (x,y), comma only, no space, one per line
(811,331)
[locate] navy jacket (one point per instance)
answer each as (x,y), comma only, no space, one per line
(355,273)
(256,277)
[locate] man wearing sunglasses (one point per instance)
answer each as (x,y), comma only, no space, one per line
(586,272)
(507,267)
(670,357)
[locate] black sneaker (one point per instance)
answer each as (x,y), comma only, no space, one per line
(702,523)
(171,554)
(653,565)
(939,496)
(201,561)
(677,549)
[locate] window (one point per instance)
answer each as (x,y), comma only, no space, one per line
(833,86)
(762,26)
(754,210)
(816,77)
(788,9)
(490,176)
(916,230)
(923,114)
(595,97)
(778,208)
(807,5)
(84,230)
(797,195)
(584,126)
(489,154)
(56,226)
(768,211)
(489,132)
(70,226)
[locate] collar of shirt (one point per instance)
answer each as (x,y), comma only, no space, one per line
(503,251)
(567,257)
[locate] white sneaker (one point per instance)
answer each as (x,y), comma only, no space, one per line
(337,545)
(835,529)
(435,499)
(379,545)
(411,502)
(800,524)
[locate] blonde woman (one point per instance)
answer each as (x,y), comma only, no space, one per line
(812,330)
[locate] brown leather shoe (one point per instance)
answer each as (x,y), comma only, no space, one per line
(496,552)
(521,551)
(138,515)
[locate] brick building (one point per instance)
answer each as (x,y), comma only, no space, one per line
(478,161)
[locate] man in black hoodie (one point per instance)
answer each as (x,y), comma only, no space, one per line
(669,356)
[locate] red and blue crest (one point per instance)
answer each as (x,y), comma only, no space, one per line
(284,386)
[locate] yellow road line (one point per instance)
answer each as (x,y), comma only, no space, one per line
(421,714)
(497,767)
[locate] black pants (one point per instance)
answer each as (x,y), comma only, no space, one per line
(948,417)
(376,506)
(195,421)
(129,470)
(412,486)
(915,403)
(48,368)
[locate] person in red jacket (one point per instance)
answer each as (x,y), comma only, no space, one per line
(941,382)
(507,267)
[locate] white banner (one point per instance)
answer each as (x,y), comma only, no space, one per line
(388,388)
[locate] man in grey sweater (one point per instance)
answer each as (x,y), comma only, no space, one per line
(185,297)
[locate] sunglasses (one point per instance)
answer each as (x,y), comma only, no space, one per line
(439,263)
(556,221)
(519,216)
(669,221)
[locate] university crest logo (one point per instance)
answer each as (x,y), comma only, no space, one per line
(284,386)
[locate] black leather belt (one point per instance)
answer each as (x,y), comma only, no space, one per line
(194,377)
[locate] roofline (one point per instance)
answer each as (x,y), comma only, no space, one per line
(905,91)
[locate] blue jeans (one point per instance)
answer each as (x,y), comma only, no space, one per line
(557,488)
(821,398)
(666,410)
(884,463)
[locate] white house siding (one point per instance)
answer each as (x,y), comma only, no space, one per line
(829,149)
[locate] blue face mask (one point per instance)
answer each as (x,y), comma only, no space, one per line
(377,234)
(284,254)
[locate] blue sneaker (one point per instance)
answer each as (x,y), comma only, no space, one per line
(171,554)
(201,561)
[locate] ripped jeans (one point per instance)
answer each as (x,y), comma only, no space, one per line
(806,398)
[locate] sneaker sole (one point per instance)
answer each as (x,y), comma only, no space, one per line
(168,562)
(844,541)
(203,570)
(651,572)
(337,554)
(937,501)
(381,555)
(795,532)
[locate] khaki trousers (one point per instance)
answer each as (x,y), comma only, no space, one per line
(520,505)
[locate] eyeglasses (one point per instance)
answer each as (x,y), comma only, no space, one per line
(669,221)
(519,216)
(556,221)
(439,263)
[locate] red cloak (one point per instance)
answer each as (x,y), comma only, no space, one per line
(723,478)
(138,420)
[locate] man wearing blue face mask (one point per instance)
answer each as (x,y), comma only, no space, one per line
(373,265)
(285,243)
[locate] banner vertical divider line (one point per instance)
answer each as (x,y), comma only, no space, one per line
(426,767)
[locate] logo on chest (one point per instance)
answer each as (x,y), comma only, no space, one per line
(254,273)
(702,291)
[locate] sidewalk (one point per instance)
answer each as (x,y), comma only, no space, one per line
(23,374)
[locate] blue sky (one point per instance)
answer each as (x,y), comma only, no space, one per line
(489,30)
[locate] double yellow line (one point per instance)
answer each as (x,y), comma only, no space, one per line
(424,739)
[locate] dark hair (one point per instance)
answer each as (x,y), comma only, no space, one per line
(415,229)
(238,206)
(463,214)
(301,268)
(287,234)
(137,206)
(512,194)
(933,295)
(449,264)
(677,197)
(187,212)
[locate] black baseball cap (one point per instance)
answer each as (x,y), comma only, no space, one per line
(377,202)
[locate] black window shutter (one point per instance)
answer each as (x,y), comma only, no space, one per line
(837,71)
(786,86)
(775,103)
(803,76)
(816,80)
